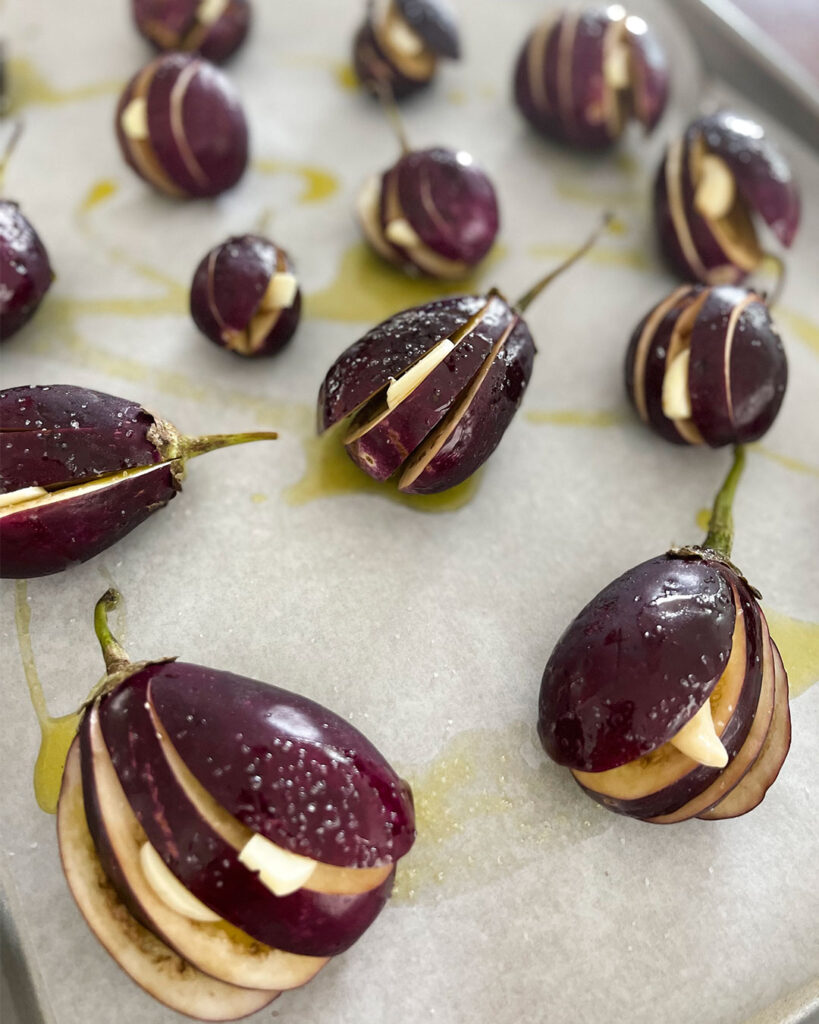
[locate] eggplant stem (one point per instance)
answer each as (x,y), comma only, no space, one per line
(190,447)
(112,650)
(387,99)
(11,145)
(721,526)
(526,300)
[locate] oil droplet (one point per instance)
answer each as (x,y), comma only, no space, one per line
(488,779)
(703,519)
(798,643)
(319,183)
(576,190)
(345,75)
(803,327)
(56,734)
(29,86)
(98,193)
(796,465)
(330,472)
(617,226)
(258,499)
(576,417)
(457,96)
(602,255)
(367,289)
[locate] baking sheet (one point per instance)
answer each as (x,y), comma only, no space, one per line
(523,901)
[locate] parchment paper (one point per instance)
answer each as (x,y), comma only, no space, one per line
(523,901)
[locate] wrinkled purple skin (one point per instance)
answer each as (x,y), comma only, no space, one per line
(374,69)
(478,432)
(636,664)
(277,748)
(757,366)
(387,445)
(758,369)
(674,796)
(307,923)
(387,350)
(57,434)
(25,270)
(51,538)
(215,130)
(242,268)
(172,25)
(451,204)
(764,182)
(578,118)
(435,23)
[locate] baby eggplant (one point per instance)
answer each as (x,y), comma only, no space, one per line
(25,270)
(434,212)
(710,184)
(245,296)
(223,838)
(213,28)
(80,469)
(431,390)
(398,47)
(707,366)
(581,76)
(666,696)
(181,127)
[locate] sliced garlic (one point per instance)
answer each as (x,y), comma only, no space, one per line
(210,11)
(134,119)
(401,232)
(281,292)
(404,39)
(698,740)
(24,494)
(404,386)
(281,871)
(676,395)
(616,69)
(169,889)
(716,189)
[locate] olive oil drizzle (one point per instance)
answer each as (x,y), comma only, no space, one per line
(56,734)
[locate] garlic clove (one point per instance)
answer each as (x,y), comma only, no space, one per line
(676,398)
(280,293)
(134,119)
(716,189)
(281,871)
(698,739)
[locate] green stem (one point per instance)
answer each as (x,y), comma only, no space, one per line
(525,301)
(16,132)
(190,447)
(112,651)
(721,527)
(387,99)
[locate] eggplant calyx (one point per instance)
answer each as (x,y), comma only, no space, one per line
(701,553)
(173,445)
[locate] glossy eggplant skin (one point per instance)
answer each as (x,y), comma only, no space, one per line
(365,817)
(737,373)
(197,135)
(386,351)
(25,270)
(637,663)
(695,246)
(227,290)
(174,25)
(435,23)
(561,83)
(45,539)
(59,433)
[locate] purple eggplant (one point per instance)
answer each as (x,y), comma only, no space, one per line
(581,75)
(81,469)
(191,769)
(434,212)
(245,296)
(660,694)
(711,184)
(707,366)
(25,270)
(431,390)
(398,46)
(181,127)
(213,28)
